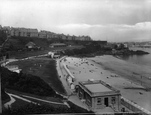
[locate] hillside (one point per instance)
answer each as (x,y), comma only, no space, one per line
(2,37)
(33,85)
(25,83)
(45,68)
(19,42)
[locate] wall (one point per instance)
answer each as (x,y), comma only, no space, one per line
(115,106)
(83,96)
(133,107)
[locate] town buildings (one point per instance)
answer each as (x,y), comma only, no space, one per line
(99,95)
(24,32)
(42,34)
(29,32)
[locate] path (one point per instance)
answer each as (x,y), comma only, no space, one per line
(71,97)
(12,100)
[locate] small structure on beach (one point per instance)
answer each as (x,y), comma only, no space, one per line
(54,54)
(13,68)
(99,95)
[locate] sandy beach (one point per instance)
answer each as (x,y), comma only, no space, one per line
(115,72)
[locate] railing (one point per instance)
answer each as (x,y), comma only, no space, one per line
(134,107)
(68,71)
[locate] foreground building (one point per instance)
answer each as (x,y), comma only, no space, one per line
(99,95)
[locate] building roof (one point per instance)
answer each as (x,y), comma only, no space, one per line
(98,88)
(30,44)
(57,44)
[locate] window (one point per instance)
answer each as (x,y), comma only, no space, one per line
(80,95)
(88,100)
(99,101)
(113,100)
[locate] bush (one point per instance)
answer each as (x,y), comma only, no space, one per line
(46,109)
(25,83)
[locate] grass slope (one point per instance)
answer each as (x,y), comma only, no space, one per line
(44,68)
(25,83)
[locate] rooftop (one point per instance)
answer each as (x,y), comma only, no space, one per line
(57,44)
(30,44)
(97,88)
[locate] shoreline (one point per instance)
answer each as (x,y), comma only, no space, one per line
(85,68)
(134,72)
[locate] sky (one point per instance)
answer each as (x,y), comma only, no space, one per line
(111,20)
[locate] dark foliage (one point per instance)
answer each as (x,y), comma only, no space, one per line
(46,109)
(2,36)
(88,50)
(4,97)
(25,83)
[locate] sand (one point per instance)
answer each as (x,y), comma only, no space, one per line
(109,69)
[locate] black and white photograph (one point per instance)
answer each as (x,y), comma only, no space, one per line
(83,57)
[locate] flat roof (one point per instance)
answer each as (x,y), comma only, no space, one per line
(57,44)
(94,88)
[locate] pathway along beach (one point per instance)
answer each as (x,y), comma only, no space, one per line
(117,73)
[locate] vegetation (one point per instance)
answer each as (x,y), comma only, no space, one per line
(2,36)
(89,50)
(25,83)
(46,109)
(45,68)
(34,85)
(5,97)
(50,69)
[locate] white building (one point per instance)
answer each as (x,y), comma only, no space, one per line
(51,54)
(13,68)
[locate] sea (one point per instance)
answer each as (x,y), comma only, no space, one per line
(139,59)
(145,62)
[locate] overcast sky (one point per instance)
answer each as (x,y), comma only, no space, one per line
(111,20)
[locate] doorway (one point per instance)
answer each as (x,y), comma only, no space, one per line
(106,102)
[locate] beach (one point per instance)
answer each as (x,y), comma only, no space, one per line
(117,73)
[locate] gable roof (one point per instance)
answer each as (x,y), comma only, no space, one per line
(30,44)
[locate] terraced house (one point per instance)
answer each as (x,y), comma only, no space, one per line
(29,32)
(24,32)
